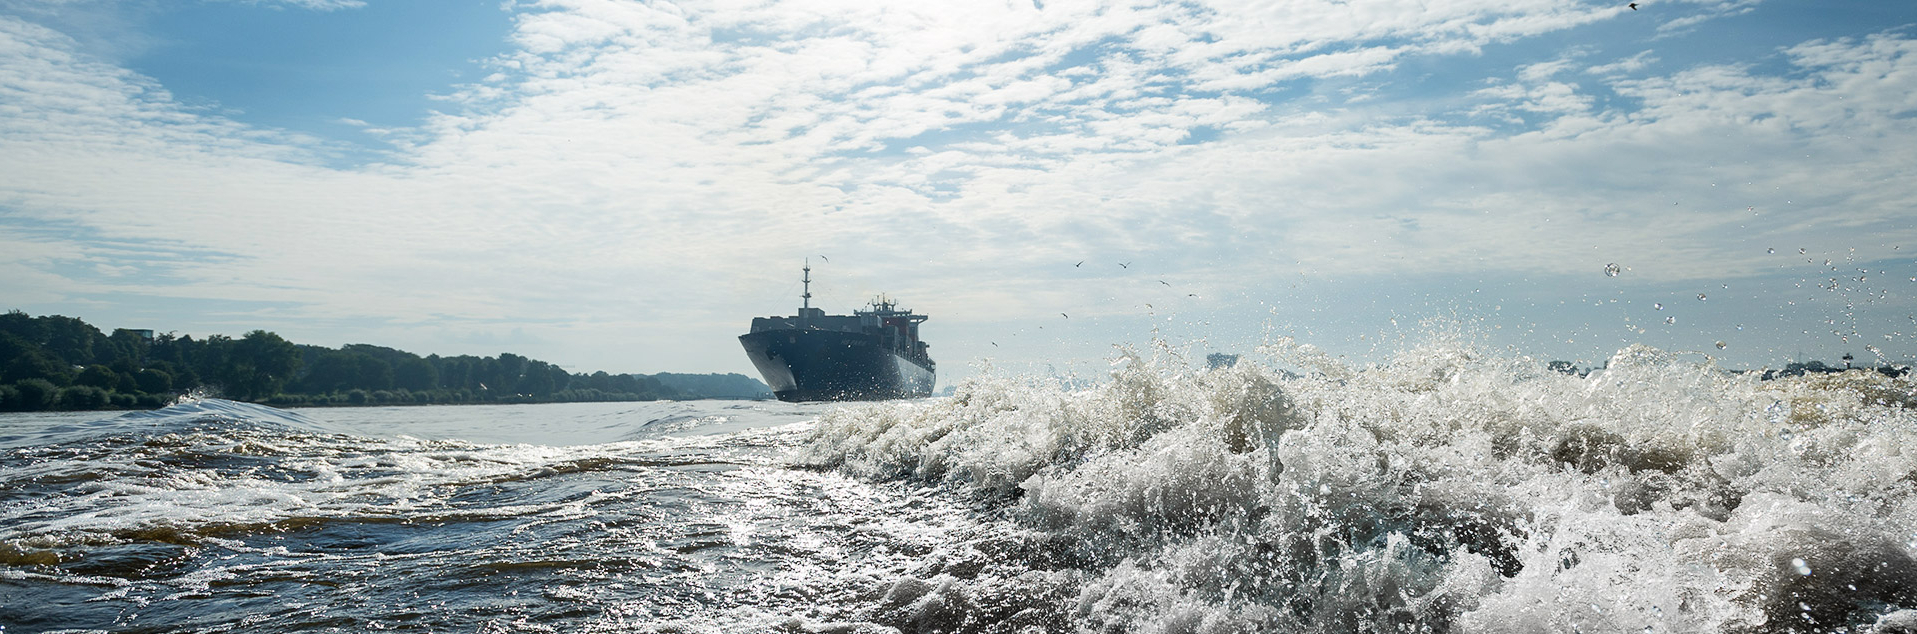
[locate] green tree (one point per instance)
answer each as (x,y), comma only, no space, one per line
(124,383)
(154,381)
(72,340)
(537,381)
(83,397)
(455,373)
(21,325)
(511,368)
(371,373)
(416,374)
(182,377)
(257,365)
(98,376)
(333,371)
(12,345)
(36,365)
(171,350)
(34,395)
(207,357)
(129,346)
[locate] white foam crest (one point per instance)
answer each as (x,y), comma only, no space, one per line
(1446,489)
(996,432)
(182,416)
(1180,479)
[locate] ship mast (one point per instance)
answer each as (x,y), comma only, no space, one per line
(807,297)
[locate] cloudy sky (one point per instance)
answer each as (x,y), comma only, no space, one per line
(621,185)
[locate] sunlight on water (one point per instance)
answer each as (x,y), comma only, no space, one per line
(211,515)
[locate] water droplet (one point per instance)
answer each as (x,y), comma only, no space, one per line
(1700,297)
(1720,345)
(1658,305)
(1802,567)
(1800,250)
(1612,270)
(1740,326)
(1670,320)
(1771,250)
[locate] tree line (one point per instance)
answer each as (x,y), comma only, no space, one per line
(62,363)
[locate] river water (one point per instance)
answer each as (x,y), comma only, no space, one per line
(1447,490)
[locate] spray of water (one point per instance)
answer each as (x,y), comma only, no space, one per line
(1445,490)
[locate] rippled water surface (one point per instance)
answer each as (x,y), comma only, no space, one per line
(1446,491)
(221,516)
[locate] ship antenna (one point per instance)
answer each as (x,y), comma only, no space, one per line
(807,297)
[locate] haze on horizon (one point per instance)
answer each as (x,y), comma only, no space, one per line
(620,185)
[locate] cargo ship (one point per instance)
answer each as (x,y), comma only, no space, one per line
(871,354)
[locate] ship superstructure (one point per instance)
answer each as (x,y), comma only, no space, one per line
(872,354)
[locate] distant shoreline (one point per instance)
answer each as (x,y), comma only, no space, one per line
(58,363)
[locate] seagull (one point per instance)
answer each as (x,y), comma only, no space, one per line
(1164,282)
(824,258)
(995,344)
(1065,315)
(1124,265)
(1633,6)
(1079,262)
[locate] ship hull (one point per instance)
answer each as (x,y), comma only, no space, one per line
(802,365)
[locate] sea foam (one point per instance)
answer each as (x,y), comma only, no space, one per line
(1445,490)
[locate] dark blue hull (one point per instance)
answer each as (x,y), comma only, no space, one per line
(813,365)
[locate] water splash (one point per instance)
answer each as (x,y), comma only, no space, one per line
(1445,490)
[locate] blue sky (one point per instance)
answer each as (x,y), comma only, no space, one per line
(622,185)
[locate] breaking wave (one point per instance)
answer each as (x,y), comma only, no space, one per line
(1445,490)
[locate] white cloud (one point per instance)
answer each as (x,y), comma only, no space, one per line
(1712,10)
(1632,64)
(650,172)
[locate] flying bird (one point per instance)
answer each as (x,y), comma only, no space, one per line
(1079,262)
(824,258)
(1164,282)
(1633,6)
(1065,315)
(1124,265)
(995,344)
